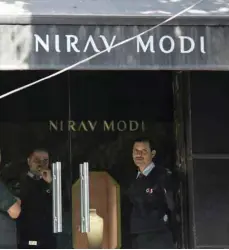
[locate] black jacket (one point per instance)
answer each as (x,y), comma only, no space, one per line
(8,237)
(150,202)
(35,221)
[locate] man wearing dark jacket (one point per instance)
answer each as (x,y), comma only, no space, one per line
(35,221)
(9,210)
(150,200)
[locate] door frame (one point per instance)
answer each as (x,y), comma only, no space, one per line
(184,163)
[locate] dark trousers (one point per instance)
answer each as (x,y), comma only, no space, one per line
(153,240)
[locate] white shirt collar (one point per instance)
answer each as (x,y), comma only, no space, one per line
(33,176)
(147,170)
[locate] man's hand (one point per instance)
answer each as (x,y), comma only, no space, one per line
(18,201)
(46,175)
(15,210)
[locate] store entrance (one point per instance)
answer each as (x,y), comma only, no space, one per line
(109,110)
(89,117)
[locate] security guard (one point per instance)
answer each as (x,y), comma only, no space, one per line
(150,201)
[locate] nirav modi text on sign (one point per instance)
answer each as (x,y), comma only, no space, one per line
(92,126)
(74,44)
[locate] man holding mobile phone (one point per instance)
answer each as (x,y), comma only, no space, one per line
(35,222)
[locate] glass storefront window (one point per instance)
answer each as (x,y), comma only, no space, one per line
(89,117)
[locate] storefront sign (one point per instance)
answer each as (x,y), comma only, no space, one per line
(92,126)
(166,47)
(73,44)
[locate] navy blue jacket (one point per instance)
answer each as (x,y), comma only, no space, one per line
(150,203)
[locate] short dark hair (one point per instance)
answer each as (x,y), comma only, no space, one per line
(38,150)
(145,139)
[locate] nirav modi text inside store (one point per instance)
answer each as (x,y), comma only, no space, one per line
(169,84)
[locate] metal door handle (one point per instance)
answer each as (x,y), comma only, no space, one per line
(57,197)
(84,198)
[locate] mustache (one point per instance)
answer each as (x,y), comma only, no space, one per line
(139,158)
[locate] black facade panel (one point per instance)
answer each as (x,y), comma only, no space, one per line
(210,112)
(211,203)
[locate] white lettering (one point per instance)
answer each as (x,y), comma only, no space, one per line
(132,127)
(121,126)
(166,44)
(57,43)
(182,43)
(161,44)
(92,42)
(202,45)
(108,46)
(44,44)
(71,43)
(143,46)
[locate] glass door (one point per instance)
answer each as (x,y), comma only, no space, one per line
(31,139)
(109,110)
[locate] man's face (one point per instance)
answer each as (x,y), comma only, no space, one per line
(142,154)
(38,160)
